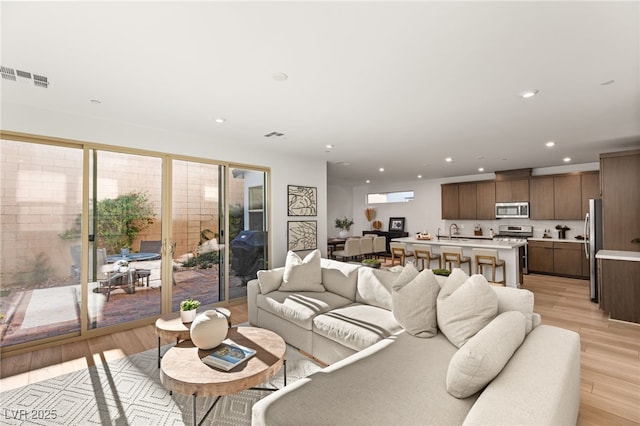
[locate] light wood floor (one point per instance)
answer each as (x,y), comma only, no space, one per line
(610,388)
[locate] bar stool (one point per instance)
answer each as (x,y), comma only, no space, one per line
(489,257)
(399,251)
(453,256)
(424,254)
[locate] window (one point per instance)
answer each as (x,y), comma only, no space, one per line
(390,197)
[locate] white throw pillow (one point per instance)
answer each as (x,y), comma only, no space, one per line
(414,303)
(516,299)
(374,287)
(270,280)
(452,282)
(302,274)
(484,356)
(467,310)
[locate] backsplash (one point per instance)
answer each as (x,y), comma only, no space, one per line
(576,227)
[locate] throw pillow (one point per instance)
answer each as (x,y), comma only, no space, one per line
(414,303)
(467,310)
(374,287)
(452,282)
(270,280)
(516,299)
(302,274)
(484,356)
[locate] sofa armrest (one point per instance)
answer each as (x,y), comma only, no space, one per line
(253,289)
(539,386)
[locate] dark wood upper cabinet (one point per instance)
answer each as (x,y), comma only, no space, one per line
(590,189)
(486,200)
(541,203)
(512,190)
(467,201)
(450,203)
(567,197)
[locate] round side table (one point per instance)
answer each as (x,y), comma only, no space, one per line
(171,327)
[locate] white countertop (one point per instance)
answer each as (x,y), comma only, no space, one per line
(631,256)
(557,240)
(462,242)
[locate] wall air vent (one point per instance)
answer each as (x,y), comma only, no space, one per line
(273,134)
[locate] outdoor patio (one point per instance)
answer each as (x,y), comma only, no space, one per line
(47,312)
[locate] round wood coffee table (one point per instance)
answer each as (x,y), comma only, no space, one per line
(171,327)
(183,371)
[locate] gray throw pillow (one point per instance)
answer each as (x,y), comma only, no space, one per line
(414,303)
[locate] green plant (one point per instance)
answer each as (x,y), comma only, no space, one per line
(443,272)
(189,305)
(203,261)
(118,221)
(344,223)
(373,263)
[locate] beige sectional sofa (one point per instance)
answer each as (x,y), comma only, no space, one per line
(408,348)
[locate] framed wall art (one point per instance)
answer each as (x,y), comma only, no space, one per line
(302,200)
(302,235)
(396,224)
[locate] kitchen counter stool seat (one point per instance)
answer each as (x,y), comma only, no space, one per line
(425,256)
(452,257)
(489,257)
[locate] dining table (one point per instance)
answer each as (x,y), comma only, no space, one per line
(132,257)
(333,244)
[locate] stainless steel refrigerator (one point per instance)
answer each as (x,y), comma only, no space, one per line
(593,242)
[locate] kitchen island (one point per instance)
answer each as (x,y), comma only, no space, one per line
(511,252)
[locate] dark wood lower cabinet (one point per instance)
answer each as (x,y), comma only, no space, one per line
(620,289)
(558,258)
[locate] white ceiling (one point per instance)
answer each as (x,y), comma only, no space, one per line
(389,84)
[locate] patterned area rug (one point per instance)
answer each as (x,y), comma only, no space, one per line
(128,392)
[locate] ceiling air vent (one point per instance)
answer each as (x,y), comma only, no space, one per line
(23,74)
(8,73)
(40,81)
(272,134)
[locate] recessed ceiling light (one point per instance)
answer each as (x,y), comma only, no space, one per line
(566,159)
(280,76)
(328,146)
(529,93)
(481,169)
(448,159)
(367,181)
(381,169)
(419,176)
(220,119)
(550,144)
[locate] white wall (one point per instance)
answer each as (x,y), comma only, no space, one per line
(339,205)
(424,212)
(285,170)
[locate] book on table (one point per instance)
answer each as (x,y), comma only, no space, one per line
(228,355)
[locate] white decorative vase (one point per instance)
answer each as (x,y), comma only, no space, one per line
(343,233)
(209,329)
(188,316)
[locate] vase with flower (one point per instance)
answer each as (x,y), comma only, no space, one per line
(344,225)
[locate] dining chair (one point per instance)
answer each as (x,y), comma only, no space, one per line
(351,250)
(380,246)
(366,246)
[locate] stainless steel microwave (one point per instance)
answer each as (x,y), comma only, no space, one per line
(512,210)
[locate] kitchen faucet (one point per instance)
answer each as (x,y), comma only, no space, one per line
(453,225)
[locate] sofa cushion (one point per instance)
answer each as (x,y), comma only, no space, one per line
(300,307)
(414,304)
(467,309)
(340,278)
(270,280)
(302,274)
(356,326)
(516,299)
(482,358)
(398,381)
(374,286)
